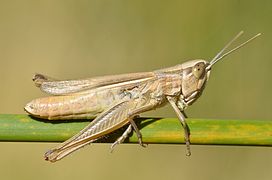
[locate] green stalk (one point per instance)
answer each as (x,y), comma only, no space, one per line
(154,130)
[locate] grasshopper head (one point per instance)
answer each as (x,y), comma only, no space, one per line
(195,73)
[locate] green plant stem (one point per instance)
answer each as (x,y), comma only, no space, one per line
(154,130)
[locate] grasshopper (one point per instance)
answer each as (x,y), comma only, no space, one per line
(115,100)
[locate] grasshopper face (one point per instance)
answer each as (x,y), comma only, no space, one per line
(194,75)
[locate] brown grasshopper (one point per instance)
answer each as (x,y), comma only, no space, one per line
(115,100)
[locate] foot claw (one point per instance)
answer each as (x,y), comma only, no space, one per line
(188,154)
(144,145)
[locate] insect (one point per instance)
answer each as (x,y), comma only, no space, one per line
(115,100)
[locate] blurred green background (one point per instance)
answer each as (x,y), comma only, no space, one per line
(74,39)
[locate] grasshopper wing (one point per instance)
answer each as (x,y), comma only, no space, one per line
(62,87)
(107,122)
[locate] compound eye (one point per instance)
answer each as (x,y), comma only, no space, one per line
(199,70)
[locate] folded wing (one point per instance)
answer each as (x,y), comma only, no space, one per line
(62,87)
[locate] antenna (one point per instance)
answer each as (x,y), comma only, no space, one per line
(219,55)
